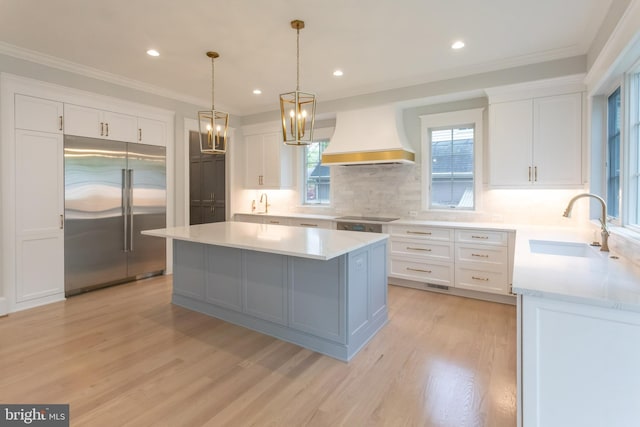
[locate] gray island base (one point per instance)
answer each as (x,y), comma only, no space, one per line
(332,306)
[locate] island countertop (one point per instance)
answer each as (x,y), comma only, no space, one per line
(301,242)
(597,279)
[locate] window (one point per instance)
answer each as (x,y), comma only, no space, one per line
(316,176)
(613,153)
(451,159)
(631,154)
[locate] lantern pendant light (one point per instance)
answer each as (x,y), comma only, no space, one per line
(297,109)
(213,124)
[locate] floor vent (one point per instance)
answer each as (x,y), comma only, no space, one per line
(441,287)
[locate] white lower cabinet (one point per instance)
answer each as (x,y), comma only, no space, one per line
(465,258)
(579,364)
(281,220)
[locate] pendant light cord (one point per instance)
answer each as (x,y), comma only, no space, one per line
(213,68)
(298,59)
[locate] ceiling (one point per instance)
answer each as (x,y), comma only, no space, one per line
(380,45)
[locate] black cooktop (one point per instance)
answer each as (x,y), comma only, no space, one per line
(365,218)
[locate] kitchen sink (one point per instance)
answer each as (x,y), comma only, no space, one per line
(572,249)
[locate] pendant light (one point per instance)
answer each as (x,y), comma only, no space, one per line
(213,124)
(297,109)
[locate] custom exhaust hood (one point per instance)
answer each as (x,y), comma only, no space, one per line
(368,136)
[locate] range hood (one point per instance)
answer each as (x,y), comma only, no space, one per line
(368,136)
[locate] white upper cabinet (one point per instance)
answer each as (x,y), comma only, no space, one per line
(153,132)
(269,162)
(95,123)
(38,114)
(536,142)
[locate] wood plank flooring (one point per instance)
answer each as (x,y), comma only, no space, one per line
(125,356)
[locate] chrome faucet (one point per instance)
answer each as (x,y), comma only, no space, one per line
(603,219)
(266,202)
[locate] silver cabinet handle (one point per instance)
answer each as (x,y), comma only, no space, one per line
(419,270)
(106,125)
(304,224)
(480,237)
(424,233)
(483,279)
(480,255)
(61,222)
(212,209)
(274,222)
(60,118)
(409,248)
(529,173)
(101,128)
(139,134)
(535,174)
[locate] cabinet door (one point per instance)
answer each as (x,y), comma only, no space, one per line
(38,114)
(265,286)
(39,210)
(276,161)
(511,137)
(152,132)
(83,121)
(254,151)
(557,146)
(120,127)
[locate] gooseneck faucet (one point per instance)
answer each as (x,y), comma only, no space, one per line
(604,230)
(266,202)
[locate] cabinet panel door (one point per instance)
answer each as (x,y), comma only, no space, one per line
(153,132)
(38,114)
(557,147)
(275,158)
(254,153)
(224,277)
(265,286)
(39,209)
(120,127)
(510,141)
(83,121)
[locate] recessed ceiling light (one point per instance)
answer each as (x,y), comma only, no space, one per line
(153,52)
(338,73)
(457,45)
(257,91)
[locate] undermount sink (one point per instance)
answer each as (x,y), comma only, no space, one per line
(573,249)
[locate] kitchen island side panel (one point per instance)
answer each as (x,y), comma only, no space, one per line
(320,294)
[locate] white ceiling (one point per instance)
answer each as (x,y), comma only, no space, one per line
(379,44)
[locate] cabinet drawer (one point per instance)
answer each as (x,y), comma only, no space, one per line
(430,272)
(311,223)
(421,248)
(432,233)
(276,220)
(477,279)
(482,254)
(487,237)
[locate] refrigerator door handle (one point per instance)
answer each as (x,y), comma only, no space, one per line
(130,203)
(125,203)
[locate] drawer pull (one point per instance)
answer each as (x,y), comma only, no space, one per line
(484,279)
(274,222)
(423,233)
(418,270)
(480,237)
(480,255)
(308,225)
(409,248)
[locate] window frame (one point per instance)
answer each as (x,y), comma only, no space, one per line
(472,117)
(629,150)
(319,135)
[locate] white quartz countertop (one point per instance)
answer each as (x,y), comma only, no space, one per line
(321,244)
(456,224)
(596,279)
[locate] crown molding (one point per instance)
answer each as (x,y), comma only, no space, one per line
(85,71)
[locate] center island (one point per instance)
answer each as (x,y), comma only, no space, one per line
(325,290)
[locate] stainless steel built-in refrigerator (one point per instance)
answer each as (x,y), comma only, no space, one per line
(113,191)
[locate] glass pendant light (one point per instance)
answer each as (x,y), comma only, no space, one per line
(213,124)
(297,109)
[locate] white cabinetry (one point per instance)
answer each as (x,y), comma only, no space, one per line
(95,123)
(579,364)
(536,141)
(269,163)
(39,201)
(153,132)
(453,257)
(311,223)
(280,220)
(482,261)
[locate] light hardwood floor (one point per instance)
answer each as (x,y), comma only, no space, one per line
(126,356)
